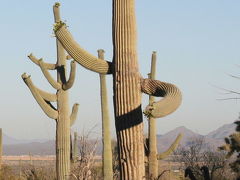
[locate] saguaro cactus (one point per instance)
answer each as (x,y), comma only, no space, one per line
(106,134)
(75,148)
(1,149)
(128,86)
(153,155)
(61,114)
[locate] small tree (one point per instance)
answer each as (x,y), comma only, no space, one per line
(197,154)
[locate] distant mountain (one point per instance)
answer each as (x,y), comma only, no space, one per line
(7,140)
(165,140)
(43,147)
(214,139)
(35,148)
(222,132)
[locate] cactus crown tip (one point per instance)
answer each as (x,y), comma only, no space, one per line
(58,25)
(101,50)
(57,4)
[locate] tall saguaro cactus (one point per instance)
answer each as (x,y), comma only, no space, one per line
(153,155)
(106,134)
(1,149)
(128,86)
(61,114)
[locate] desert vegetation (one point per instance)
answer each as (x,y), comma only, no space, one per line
(129,156)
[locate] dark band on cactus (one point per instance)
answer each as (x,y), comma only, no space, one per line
(46,65)
(171,101)
(79,54)
(49,111)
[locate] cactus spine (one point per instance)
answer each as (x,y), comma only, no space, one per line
(106,134)
(128,86)
(61,114)
(1,149)
(153,155)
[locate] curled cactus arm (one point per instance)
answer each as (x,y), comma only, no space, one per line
(48,76)
(73,116)
(46,65)
(171,97)
(71,79)
(79,54)
(170,150)
(46,106)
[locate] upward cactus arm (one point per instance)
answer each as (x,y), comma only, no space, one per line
(71,79)
(73,116)
(79,54)
(47,96)
(170,149)
(171,97)
(46,106)
(46,65)
(47,75)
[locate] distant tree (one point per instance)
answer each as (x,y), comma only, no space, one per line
(196,155)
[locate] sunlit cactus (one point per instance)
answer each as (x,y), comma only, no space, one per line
(61,113)
(128,86)
(106,134)
(152,153)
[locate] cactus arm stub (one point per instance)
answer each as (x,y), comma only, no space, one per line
(73,115)
(48,76)
(46,65)
(171,97)
(79,54)
(71,79)
(170,149)
(46,107)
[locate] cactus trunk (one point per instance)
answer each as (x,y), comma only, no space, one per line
(63,121)
(106,134)
(127,92)
(1,149)
(152,157)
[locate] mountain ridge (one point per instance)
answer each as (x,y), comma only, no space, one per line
(215,138)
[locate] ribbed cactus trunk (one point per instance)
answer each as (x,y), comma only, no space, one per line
(63,122)
(106,133)
(1,149)
(127,92)
(152,130)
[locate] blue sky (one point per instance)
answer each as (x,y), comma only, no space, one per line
(197,43)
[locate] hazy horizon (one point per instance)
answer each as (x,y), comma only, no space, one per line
(197,45)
